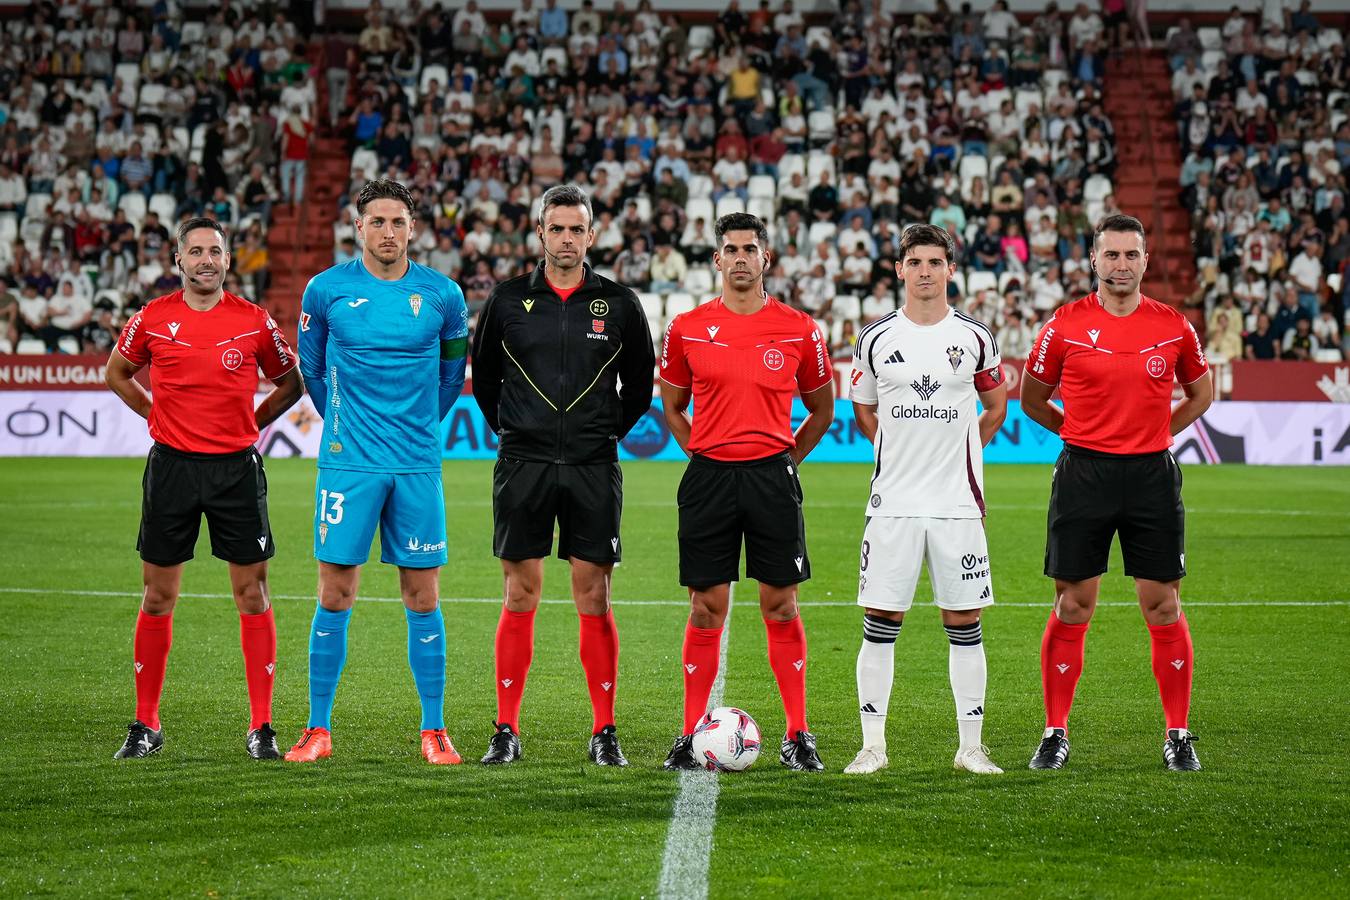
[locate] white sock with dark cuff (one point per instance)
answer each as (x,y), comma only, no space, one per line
(876,672)
(966,667)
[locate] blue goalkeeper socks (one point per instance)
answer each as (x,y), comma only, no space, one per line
(327,653)
(426,658)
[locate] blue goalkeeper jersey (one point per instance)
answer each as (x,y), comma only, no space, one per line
(377,347)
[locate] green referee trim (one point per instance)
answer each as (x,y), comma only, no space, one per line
(455,348)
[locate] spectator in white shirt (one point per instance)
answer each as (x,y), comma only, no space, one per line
(13,190)
(998,24)
(1306,272)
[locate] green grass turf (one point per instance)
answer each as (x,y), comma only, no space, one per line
(1267,817)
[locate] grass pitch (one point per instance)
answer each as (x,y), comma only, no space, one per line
(1267,817)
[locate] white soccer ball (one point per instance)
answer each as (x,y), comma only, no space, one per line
(726,740)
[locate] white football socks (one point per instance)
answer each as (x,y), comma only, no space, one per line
(876,672)
(968,673)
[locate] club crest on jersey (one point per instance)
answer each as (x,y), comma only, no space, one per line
(415,301)
(599,308)
(323,533)
(529,304)
(954,356)
(598,326)
(927,388)
(773,359)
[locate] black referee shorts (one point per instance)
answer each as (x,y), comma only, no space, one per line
(585,500)
(723,502)
(1095,495)
(230,488)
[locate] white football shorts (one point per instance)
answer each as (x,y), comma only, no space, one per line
(894,549)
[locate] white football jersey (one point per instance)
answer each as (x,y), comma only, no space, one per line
(922,379)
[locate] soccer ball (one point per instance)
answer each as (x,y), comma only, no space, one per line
(726,740)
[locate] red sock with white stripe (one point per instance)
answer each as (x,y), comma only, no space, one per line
(787,658)
(1061,666)
(514,649)
(1173,661)
(150,649)
(700,655)
(599,649)
(258,637)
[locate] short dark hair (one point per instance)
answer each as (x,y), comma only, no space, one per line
(1119,222)
(196,222)
(565,195)
(925,235)
(740,221)
(384,189)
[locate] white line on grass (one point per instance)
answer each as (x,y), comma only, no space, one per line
(1014,604)
(684,865)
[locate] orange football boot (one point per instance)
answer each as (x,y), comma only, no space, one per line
(315,744)
(437,749)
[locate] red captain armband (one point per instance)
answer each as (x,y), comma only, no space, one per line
(988,379)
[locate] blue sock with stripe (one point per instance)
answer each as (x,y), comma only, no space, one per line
(327,654)
(426,658)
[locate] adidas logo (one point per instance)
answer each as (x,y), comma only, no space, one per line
(1063,667)
(986,594)
(690,667)
(977,711)
(798,664)
(606,684)
(1178,663)
(895,358)
(869,708)
(506,682)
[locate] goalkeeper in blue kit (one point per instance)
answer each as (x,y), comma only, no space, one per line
(383,343)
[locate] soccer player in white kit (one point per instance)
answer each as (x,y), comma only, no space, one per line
(916,375)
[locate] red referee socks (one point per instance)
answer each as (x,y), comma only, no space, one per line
(1173,660)
(702,647)
(154,637)
(258,637)
(514,649)
(1061,664)
(599,648)
(787,658)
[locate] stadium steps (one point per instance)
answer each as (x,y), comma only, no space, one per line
(1137,96)
(301,241)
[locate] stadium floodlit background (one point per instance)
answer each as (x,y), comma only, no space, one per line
(838,124)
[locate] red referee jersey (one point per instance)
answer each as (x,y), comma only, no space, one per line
(204,369)
(1115,373)
(744,372)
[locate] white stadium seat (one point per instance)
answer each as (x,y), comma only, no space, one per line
(728,204)
(699,208)
(436,73)
(698,281)
(763,186)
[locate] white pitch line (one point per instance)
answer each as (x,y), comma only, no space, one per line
(684,865)
(1012,604)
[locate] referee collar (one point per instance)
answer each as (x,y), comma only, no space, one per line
(538,281)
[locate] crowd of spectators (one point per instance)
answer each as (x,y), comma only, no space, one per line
(1261,103)
(116,120)
(838,132)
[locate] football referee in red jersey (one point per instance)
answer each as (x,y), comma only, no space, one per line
(204,348)
(742,357)
(1115,355)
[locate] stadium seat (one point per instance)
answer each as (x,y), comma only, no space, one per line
(1327,355)
(130,73)
(819,36)
(789,165)
(114,296)
(993,100)
(821,232)
(28,346)
(165,206)
(1211,38)
(180,138)
(36,206)
(1334,281)
(764,208)
(1008,277)
(980,281)
(701,37)
(1051,80)
(365,164)
(1210,59)
(698,281)
(679,302)
(436,73)
(191,33)
(762,186)
(820,126)
(816,163)
(728,204)
(651,304)
(5,346)
(1024,99)
(557,54)
(699,208)
(9,227)
(847,306)
(700,186)
(1096,188)
(133,204)
(152,99)
(973,166)
(958,279)
(69,344)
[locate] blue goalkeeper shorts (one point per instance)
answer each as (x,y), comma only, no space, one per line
(408,507)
